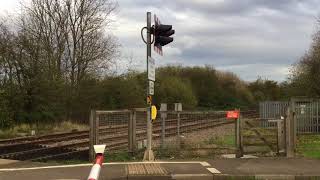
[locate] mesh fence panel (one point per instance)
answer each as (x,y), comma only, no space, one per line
(141,129)
(195,134)
(113,130)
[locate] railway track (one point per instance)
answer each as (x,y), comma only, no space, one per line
(76,144)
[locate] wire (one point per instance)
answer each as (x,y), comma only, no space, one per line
(143,37)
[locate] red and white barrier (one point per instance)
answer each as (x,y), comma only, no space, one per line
(96,168)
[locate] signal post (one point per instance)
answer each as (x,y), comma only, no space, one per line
(161,37)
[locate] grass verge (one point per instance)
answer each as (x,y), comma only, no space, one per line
(225,141)
(40,129)
(309,146)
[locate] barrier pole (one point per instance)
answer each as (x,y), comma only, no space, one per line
(96,168)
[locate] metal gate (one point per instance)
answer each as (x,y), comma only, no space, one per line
(306,113)
(259,139)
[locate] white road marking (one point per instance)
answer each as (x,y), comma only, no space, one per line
(156,162)
(45,167)
(115,163)
(189,175)
(214,171)
(205,164)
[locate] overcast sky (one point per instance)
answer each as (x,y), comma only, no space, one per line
(248,37)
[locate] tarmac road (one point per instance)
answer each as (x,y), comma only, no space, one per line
(261,168)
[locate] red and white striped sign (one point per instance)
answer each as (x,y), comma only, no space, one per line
(157,48)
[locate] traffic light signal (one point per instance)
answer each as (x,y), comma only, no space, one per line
(162,34)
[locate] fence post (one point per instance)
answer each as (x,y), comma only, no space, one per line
(97,125)
(163,112)
(289,133)
(239,152)
(92,137)
(281,136)
(293,106)
(240,134)
(178,129)
(178,109)
(132,132)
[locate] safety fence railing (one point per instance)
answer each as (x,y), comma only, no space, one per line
(173,132)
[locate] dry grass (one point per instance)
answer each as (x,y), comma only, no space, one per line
(41,129)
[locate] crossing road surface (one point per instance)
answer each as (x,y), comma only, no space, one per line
(285,168)
(160,170)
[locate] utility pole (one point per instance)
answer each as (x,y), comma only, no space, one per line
(148,154)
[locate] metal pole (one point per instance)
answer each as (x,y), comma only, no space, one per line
(163,111)
(148,154)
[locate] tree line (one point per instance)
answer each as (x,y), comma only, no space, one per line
(48,53)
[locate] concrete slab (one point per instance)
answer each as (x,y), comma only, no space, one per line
(268,166)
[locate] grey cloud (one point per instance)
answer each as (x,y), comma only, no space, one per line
(229,33)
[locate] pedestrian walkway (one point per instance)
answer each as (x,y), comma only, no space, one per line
(261,168)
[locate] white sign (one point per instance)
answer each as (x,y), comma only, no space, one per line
(151,69)
(151,88)
(303,107)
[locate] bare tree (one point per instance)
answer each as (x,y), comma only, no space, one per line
(72,36)
(57,41)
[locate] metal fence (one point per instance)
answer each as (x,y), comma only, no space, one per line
(306,113)
(272,109)
(174,132)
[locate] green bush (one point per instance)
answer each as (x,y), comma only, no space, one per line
(5,119)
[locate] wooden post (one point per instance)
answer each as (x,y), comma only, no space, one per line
(281,136)
(240,134)
(132,132)
(96,128)
(92,135)
(289,134)
(239,151)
